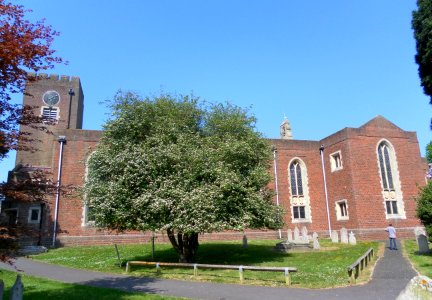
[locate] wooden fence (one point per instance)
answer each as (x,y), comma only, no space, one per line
(355,269)
(241,269)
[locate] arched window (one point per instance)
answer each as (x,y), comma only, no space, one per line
(296,179)
(390,183)
(299,191)
(87,216)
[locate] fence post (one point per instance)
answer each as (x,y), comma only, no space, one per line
(195,270)
(158,270)
(118,255)
(127,267)
(287,277)
(241,274)
(1,289)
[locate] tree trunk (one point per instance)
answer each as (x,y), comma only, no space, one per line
(185,244)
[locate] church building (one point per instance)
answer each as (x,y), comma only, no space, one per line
(360,179)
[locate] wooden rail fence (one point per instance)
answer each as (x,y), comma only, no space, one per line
(355,269)
(241,269)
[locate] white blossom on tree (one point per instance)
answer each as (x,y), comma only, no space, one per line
(175,164)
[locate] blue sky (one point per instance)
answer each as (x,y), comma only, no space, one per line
(325,65)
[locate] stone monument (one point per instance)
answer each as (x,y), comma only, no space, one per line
(344,235)
(335,236)
(352,239)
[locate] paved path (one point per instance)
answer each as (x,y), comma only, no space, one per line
(392,273)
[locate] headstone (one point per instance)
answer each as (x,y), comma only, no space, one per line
(296,234)
(304,236)
(418,231)
(245,241)
(17,290)
(290,236)
(422,243)
(352,239)
(344,235)
(335,237)
(316,244)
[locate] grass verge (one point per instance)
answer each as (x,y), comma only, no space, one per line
(421,262)
(316,269)
(40,289)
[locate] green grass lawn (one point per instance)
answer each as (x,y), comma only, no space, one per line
(421,262)
(40,289)
(316,269)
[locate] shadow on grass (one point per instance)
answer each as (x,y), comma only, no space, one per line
(99,288)
(226,254)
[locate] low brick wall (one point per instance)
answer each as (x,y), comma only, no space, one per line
(136,238)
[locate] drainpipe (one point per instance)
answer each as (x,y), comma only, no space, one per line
(71,93)
(62,141)
(325,188)
(276,183)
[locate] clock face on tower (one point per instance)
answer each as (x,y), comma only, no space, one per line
(51,98)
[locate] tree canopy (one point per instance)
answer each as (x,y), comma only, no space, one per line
(24,46)
(424,208)
(422,25)
(176,164)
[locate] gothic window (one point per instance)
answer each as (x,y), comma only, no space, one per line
(88,215)
(299,212)
(390,180)
(296,179)
(300,207)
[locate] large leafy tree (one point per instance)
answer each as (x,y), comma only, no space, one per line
(174,164)
(422,25)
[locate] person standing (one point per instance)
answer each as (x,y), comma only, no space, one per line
(392,236)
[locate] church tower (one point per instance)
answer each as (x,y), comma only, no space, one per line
(59,100)
(285,130)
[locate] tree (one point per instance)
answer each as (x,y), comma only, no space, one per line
(174,164)
(422,25)
(424,208)
(24,47)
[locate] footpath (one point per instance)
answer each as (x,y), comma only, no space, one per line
(391,275)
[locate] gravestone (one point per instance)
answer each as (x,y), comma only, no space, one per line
(290,236)
(335,237)
(304,236)
(316,244)
(422,243)
(245,241)
(296,234)
(352,239)
(344,235)
(16,293)
(419,230)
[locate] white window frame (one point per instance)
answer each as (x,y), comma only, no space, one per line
(300,200)
(339,213)
(54,108)
(336,163)
(29,218)
(85,212)
(395,194)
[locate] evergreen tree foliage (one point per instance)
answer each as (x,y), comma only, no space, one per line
(424,208)
(422,25)
(177,165)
